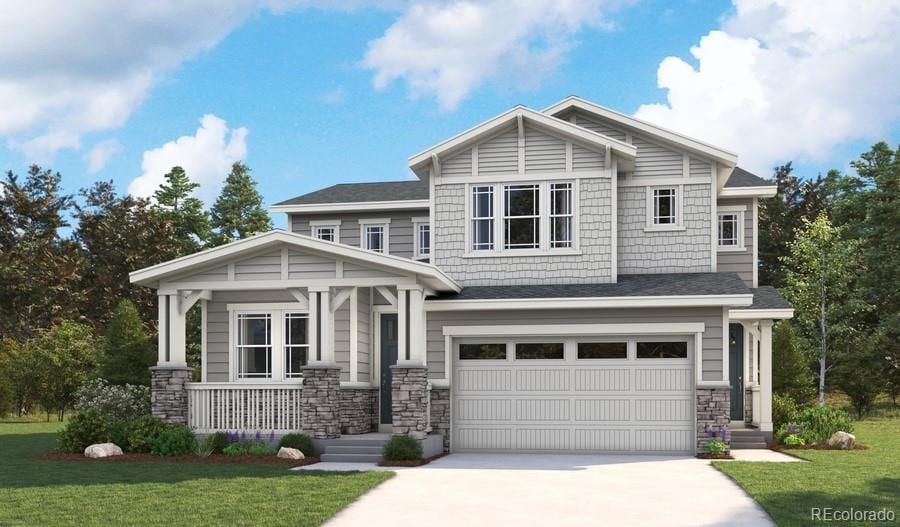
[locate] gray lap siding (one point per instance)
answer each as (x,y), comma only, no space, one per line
(400,230)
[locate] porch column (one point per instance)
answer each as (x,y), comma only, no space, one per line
(765,376)
(168,396)
(409,377)
(320,398)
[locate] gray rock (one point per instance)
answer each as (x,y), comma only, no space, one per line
(290,453)
(842,440)
(103,450)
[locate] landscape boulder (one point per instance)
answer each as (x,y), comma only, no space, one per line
(290,453)
(842,440)
(103,450)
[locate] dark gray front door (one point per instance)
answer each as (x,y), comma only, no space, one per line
(388,359)
(736,370)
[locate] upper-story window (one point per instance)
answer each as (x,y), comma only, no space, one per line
(422,232)
(374,234)
(522,216)
(664,208)
(731,228)
(329,233)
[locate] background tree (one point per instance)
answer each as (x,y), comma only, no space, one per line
(238,211)
(38,267)
(65,356)
(185,212)
(822,284)
(861,374)
(18,376)
(793,376)
(127,352)
(781,216)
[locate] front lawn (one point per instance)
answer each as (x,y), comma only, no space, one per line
(105,493)
(858,479)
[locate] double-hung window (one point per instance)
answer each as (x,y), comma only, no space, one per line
(374,234)
(254,345)
(483,218)
(561,215)
(731,228)
(521,216)
(296,343)
(270,344)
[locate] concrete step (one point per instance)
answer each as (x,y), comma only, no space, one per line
(345,441)
(748,446)
(351,449)
(351,458)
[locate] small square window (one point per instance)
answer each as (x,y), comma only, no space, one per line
(329,233)
(482,351)
(540,351)
(662,350)
(602,350)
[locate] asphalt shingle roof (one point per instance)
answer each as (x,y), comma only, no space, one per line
(628,285)
(741,178)
(363,192)
(767,297)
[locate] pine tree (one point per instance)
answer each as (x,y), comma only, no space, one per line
(238,212)
(185,212)
(127,350)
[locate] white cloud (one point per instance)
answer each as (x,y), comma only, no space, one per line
(100,154)
(785,80)
(206,156)
(335,96)
(447,49)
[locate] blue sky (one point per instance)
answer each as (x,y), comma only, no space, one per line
(297,82)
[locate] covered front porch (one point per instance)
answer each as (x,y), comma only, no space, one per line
(296,334)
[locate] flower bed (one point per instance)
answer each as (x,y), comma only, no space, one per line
(150,458)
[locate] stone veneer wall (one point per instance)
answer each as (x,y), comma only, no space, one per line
(168,395)
(409,401)
(713,408)
(593,265)
(359,410)
(320,401)
(686,251)
(440,414)
(748,406)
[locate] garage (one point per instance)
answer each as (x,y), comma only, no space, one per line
(588,393)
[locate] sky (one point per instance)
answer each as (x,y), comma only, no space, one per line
(311,93)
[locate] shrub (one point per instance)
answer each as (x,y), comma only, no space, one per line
(793,440)
(115,402)
(235,449)
(218,441)
(206,447)
(821,422)
(716,446)
(118,433)
(258,448)
(784,410)
(175,441)
(401,448)
(83,430)
(143,432)
(301,442)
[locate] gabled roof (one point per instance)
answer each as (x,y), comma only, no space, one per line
(658,132)
(744,184)
(430,275)
(421,160)
(363,193)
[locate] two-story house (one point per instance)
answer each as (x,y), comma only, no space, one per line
(571,279)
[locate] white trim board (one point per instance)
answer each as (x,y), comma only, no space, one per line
(757,314)
(748,192)
(743,300)
(685,328)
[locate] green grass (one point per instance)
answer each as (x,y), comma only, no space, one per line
(861,479)
(100,493)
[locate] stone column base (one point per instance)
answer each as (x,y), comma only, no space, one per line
(320,401)
(409,401)
(713,409)
(359,410)
(440,414)
(168,395)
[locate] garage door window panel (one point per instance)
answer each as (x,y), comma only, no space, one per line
(662,350)
(540,351)
(602,350)
(486,351)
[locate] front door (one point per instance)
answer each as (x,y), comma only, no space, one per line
(736,370)
(388,358)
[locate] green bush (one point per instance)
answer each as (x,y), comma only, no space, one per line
(115,402)
(218,441)
(235,449)
(301,442)
(784,410)
(402,448)
(259,448)
(143,432)
(821,422)
(118,433)
(716,446)
(206,447)
(176,440)
(793,440)
(84,429)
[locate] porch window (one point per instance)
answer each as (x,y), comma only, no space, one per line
(521,217)
(254,345)
(296,344)
(482,218)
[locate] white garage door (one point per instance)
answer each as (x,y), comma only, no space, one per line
(574,394)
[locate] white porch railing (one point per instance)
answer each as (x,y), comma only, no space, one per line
(214,407)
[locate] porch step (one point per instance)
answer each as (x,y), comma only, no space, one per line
(351,458)
(350,449)
(747,439)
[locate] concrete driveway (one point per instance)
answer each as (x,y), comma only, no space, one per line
(558,490)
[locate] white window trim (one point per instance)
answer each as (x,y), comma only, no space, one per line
(728,210)
(277,312)
(679,209)
(315,225)
(544,229)
(417,249)
(385,223)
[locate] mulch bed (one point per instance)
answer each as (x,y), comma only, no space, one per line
(148,458)
(409,462)
(708,455)
(779,447)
